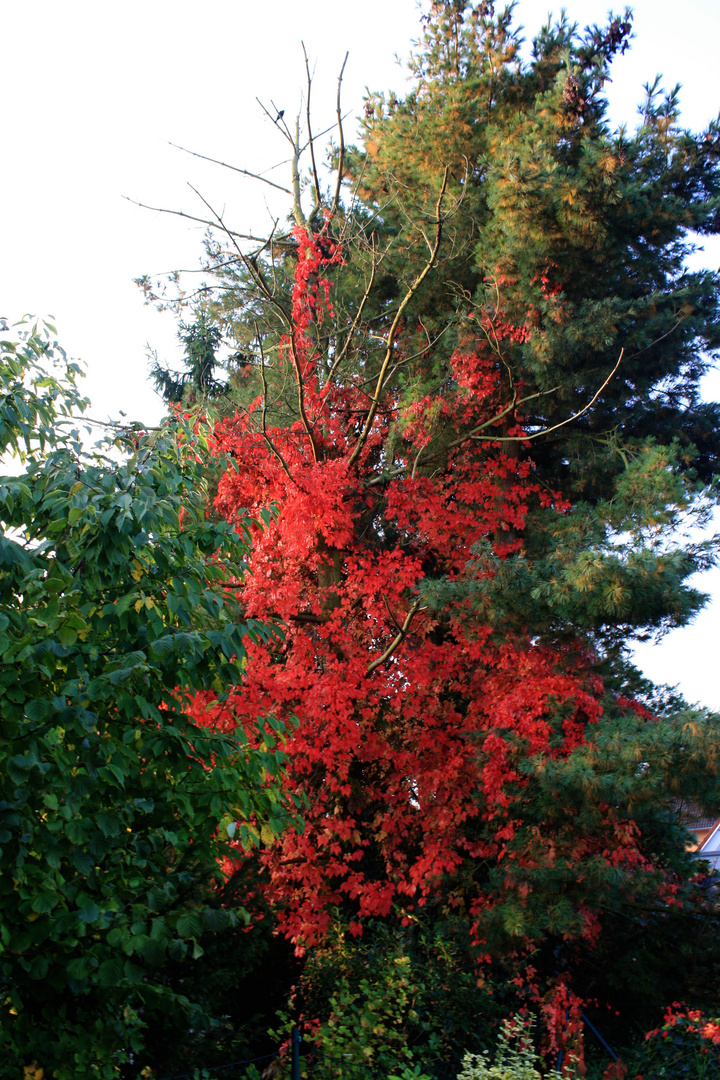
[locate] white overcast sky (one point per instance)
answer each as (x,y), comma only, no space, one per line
(93,93)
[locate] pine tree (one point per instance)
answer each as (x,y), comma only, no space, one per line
(573,232)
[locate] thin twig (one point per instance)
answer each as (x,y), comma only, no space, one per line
(263,414)
(473,433)
(254,269)
(234,168)
(555,427)
(413,356)
(311,141)
(251,264)
(385,478)
(191,217)
(301,396)
(356,321)
(658,340)
(277,120)
(341,151)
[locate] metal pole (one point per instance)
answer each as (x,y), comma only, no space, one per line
(560,1055)
(295,1070)
(595,1032)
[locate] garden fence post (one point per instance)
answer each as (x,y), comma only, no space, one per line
(295,1070)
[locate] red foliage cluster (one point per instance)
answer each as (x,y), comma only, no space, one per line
(563,1045)
(687,1045)
(412,728)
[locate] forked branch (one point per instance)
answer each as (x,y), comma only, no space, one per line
(263,414)
(475,433)
(341,353)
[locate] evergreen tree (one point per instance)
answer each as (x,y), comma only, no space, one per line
(200,338)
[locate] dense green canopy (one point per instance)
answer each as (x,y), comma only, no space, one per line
(113,803)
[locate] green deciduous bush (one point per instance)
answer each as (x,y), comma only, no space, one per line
(399,998)
(113,803)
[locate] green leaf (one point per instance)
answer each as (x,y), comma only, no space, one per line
(67,635)
(83,862)
(89,912)
(189,926)
(162,647)
(107,837)
(45,902)
(111,972)
(108,823)
(216,919)
(79,968)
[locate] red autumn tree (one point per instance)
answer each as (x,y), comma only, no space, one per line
(426,739)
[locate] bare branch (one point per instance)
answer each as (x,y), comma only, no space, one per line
(413,356)
(254,270)
(341,151)
(249,262)
(555,427)
(251,265)
(234,168)
(375,400)
(311,141)
(301,397)
(385,478)
(263,414)
(191,217)
(309,618)
(305,145)
(396,641)
(277,120)
(474,432)
(659,339)
(475,435)
(297,204)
